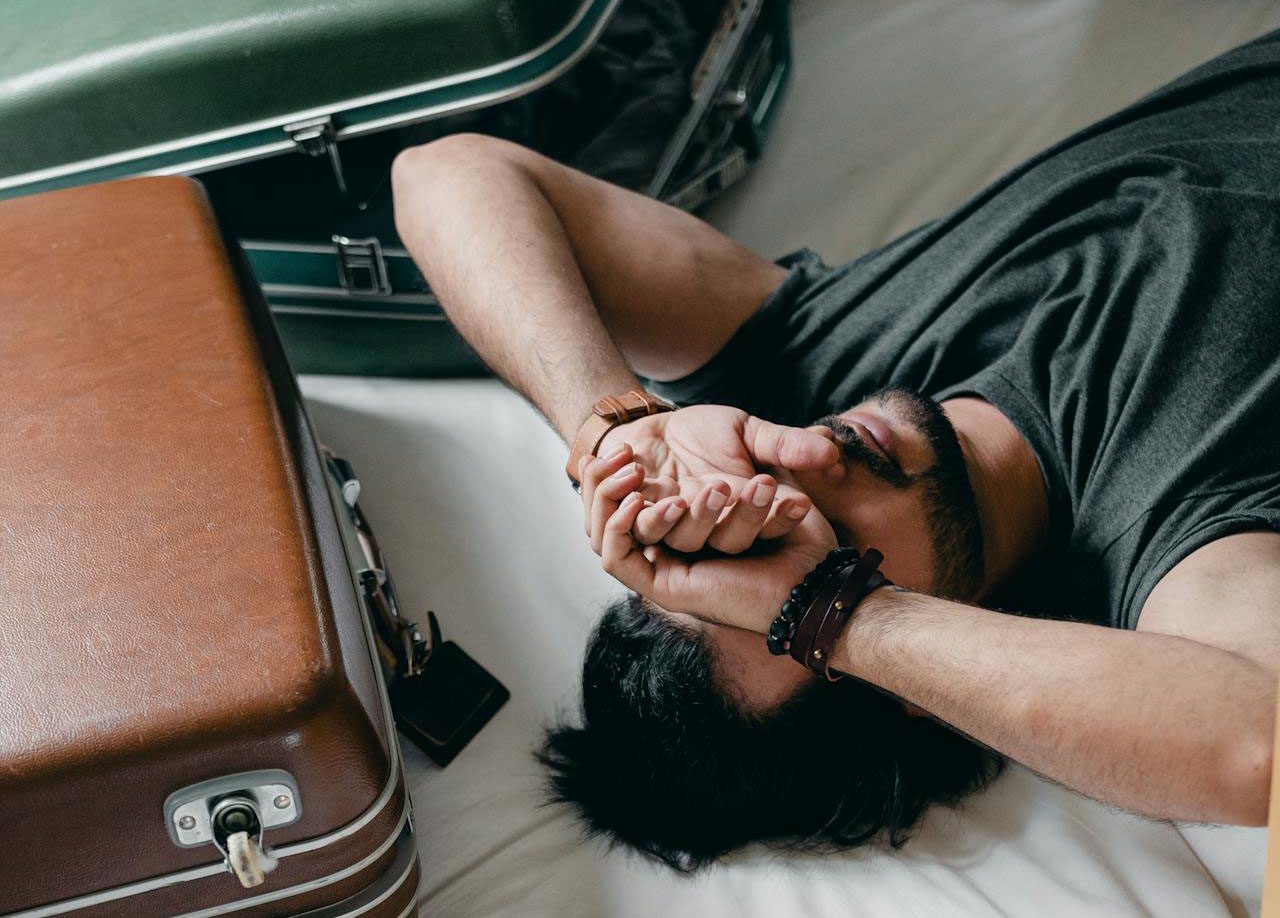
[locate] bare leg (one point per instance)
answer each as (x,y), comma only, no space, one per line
(568,286)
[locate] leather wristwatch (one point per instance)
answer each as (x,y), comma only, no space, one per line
(608,413)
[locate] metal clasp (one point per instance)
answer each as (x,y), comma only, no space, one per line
(404,647)
(361,266)
(317,137)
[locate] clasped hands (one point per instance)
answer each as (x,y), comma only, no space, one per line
(679,510)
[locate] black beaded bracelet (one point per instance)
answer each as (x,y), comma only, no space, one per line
(783,628)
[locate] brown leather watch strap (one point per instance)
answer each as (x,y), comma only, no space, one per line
(608,413)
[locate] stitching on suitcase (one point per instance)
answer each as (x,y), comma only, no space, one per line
(318,883)
(199,873)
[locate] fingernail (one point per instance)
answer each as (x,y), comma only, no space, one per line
(763,496)
(797,513)
(617,453)
(630,499)
(716,500)
(672,511)
(625,471)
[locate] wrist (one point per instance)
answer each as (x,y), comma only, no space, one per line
(609,413)
(856,651)
(811,623)
(573,409)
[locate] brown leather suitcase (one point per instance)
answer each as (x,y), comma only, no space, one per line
(188,679)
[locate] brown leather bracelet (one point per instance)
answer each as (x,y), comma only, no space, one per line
(608,413)
(861,580)
(813,616)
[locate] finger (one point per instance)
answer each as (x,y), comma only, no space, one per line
(656,520)
(655,489)
(691,531)
(608,494)
(738,529)
(593,471)
(785,515)
(620,556)
(788,491)
(792,448)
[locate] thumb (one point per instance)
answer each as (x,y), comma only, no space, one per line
(793,448)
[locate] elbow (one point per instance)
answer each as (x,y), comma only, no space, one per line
(1246,790)
(419,172)
(442,161)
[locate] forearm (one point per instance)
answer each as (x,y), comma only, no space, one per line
(497,255)
(1153,723)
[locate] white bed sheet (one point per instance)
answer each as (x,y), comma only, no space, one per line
(898,111)
(478,526)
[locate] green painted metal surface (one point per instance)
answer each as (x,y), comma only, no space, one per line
(91,90)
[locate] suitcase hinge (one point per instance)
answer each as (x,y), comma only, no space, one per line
(402,645)
(361,266)
(317,137)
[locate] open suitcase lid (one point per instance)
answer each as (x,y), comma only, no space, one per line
(92,90)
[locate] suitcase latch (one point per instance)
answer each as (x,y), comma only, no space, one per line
(233,814)
(317,137)
(361,266)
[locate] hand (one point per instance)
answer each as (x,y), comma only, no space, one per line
(710,518)
(709,457)
(744,591)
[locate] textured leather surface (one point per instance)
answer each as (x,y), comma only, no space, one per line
(83,78)
(164,617)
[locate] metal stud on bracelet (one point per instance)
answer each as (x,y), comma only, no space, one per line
(783,628)
(862,578)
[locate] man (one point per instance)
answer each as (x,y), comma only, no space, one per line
(1062,400)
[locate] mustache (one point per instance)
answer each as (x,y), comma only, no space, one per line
(857,450)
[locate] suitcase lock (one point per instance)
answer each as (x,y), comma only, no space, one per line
(233,814)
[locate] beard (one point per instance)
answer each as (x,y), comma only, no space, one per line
(951,510)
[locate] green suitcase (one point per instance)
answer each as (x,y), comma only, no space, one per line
(92,91)
(249,84)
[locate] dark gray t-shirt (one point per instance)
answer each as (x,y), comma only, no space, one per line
(1118,298)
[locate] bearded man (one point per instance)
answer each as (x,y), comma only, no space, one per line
(1054,413)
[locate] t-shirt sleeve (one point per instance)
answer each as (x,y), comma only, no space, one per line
(1265,519)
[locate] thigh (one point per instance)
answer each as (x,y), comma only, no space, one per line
(671,289)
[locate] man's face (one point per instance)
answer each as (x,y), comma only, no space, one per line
(903,488)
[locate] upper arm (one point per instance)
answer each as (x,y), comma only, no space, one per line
(670,289)
(1225,594)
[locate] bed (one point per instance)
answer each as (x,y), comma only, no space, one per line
(899,109)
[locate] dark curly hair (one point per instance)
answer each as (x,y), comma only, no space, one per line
(663,762)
